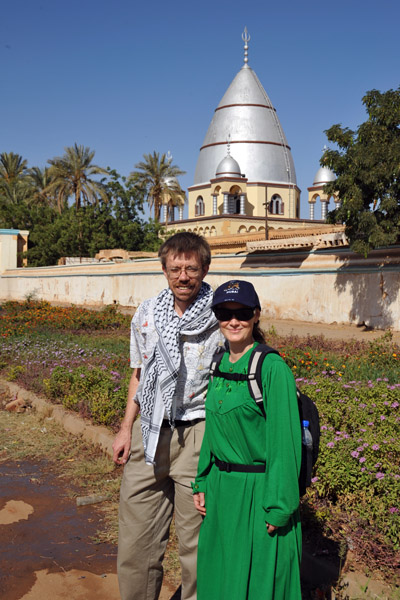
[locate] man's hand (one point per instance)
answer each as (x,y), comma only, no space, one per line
(121,446)
(122,442)
(200,503)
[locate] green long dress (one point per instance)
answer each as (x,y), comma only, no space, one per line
(237,558)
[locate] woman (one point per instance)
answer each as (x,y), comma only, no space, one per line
(250,539)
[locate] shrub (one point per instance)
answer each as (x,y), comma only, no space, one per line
(358,469)
(94,391)
(14,372)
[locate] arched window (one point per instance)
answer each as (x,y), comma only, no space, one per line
(171,213)
(234,200)
(199,207)
(234,204)
(276,205)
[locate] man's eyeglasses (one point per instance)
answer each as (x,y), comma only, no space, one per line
(241,314)
(191,272)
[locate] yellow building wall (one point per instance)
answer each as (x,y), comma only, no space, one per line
(256,197)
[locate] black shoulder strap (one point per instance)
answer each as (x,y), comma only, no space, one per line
(253,376)
(215,372)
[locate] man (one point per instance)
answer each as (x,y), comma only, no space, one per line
(173,338)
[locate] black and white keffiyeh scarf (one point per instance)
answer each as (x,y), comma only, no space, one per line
(158,382)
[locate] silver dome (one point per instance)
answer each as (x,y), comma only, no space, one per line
(324,175)
(228,167)
(246,116)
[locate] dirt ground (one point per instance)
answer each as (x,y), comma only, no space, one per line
(332,331)
(49,547)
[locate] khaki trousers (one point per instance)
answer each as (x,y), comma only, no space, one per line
(149,495)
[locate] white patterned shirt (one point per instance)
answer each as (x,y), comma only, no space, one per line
(196,354)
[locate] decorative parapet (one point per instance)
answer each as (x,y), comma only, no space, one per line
(317,241)
(120,255)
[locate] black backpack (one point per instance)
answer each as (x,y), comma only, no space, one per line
(307,409)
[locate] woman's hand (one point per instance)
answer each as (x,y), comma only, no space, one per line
(271,528)
(199,503)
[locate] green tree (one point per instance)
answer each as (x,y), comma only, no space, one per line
(12,167)
(90,228)
(157,175)
(71,178)
(367,166)
(15,190)
(40,180)
(46,229)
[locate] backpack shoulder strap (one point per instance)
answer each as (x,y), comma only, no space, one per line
(215,372)
(216,359)
(253,376)
(254,370)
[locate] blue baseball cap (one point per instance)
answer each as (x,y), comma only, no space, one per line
(236,291)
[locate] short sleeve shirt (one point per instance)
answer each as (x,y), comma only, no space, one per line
(196,353)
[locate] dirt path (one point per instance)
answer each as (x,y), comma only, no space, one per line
(333,331)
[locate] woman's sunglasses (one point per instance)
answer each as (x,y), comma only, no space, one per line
(241,314)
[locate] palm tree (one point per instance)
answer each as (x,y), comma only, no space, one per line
(12,166)
(40,180)
(70,177)
(14,182)
(158,175)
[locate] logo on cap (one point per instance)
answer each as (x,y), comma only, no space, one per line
(232,286)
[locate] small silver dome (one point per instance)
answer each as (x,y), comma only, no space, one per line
(228,167)
(170,181)
(324,175)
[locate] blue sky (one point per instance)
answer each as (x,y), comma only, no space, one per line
(126,78)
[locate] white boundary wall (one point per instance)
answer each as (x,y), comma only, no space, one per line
(324,286)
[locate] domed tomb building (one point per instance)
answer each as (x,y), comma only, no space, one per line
(245,170)
(245,180)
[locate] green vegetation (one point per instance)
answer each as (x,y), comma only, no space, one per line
(70,213)
(367,166)
(80,358)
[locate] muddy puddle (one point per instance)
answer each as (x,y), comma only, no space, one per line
(42,531)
